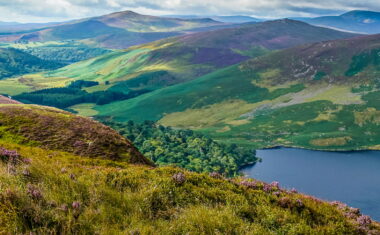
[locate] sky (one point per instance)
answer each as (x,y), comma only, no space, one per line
(62,10)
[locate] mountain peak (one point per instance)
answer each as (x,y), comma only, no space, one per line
(126,13)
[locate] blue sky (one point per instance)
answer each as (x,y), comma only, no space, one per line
(59,10)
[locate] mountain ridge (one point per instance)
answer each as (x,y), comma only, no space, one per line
(354,21)
(175,60)
(129,25)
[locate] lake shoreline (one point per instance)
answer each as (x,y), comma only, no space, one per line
(316,149)
(348,176)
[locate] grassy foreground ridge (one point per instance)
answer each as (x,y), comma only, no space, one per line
(53,181)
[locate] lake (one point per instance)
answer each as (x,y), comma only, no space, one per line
(349,177)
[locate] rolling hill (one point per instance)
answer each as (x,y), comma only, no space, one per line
(176,60)
(317,96)
(80,177)
(115,31)
(353,21)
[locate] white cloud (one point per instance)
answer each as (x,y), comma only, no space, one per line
(48,10)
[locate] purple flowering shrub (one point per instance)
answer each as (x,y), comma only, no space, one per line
(179,178)
(249,184)
(77,135)
(9,155)
(34,192)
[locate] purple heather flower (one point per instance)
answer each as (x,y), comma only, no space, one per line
(267,188)
(8,153)
(275,184)
(340,205)
(355,211)
(364,220)
(299,203)
(350,215)
(179,178)
(10,156)
(277,193)
(284,202)
(76,205)
(293,190)
(249,184)
(33,191)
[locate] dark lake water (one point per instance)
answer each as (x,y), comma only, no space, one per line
(351,177)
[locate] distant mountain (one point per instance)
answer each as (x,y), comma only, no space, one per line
(226,19)
(13,27)
(176,60)
(116,30)
(235,19)
(15,62)
(353,21)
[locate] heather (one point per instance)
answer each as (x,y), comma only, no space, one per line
(51,128)
(184,148)
(71,194)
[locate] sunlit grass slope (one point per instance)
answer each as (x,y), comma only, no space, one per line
(47,189)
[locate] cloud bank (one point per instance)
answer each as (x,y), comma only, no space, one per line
(57,10)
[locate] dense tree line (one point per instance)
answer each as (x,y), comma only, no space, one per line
(65,97)
(65,54)
(14,62)
(184,148)
(79,84)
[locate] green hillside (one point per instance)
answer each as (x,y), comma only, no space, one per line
(51,187)
(14,62)
(318,96)
(176,60)
(65,52)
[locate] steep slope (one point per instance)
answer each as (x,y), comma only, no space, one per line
(319,96)
(14,62)
(116,30)
(53,129)
(175,60)
(46,191)
(353,21)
